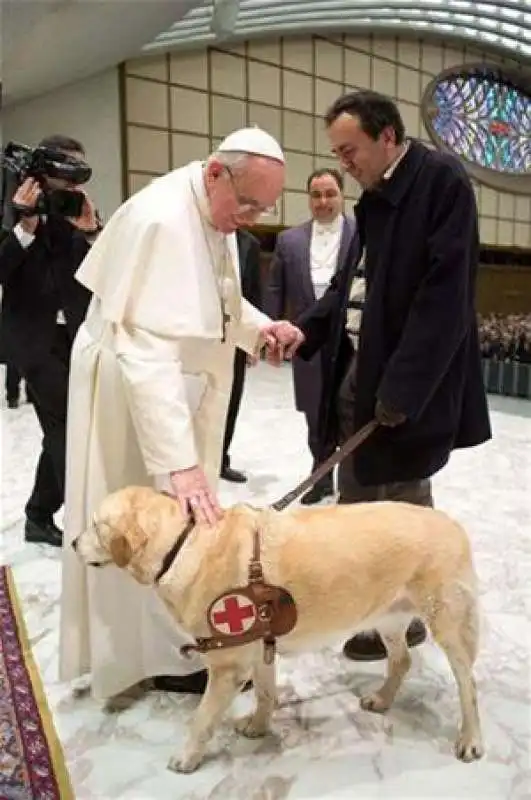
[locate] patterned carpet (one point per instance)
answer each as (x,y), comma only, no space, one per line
(32,765)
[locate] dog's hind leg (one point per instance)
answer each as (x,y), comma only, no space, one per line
(398,664)
(455,628)
(259,723)
(223,686)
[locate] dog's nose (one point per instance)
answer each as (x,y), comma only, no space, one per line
(74,544)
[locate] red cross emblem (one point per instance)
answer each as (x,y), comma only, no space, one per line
(232,614)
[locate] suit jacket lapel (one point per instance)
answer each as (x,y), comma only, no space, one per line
(306,263)
(346,238)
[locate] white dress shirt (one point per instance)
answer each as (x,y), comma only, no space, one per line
(324,250)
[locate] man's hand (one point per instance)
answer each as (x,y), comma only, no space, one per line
(27,195)
(282,340)
(252,361)
(388,417)
(193,493)
(88,221)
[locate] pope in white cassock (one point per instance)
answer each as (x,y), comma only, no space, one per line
(151,375)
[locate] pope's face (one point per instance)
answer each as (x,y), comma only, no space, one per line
(238,196)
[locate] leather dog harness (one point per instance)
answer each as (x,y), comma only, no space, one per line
(248,613)
(259,610)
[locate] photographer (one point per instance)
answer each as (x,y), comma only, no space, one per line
(43,305)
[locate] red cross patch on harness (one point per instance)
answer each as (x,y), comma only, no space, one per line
(232,614)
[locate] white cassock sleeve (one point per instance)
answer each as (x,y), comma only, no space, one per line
(156,395)
(246,334)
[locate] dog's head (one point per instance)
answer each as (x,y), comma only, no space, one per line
(131,529)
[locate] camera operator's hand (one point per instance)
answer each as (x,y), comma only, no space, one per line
(27,195)
(88,221)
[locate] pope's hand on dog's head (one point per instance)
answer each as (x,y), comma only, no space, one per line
(194,495)
(387,416)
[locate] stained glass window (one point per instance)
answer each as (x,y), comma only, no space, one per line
(483,119)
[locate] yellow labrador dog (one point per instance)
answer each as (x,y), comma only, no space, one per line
(348,567)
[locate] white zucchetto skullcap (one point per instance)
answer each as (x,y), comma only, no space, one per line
(252,141)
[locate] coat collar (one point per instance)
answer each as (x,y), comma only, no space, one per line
(396,186)
(196,171)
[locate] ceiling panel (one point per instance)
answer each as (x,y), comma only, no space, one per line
(45,44)
(502,25)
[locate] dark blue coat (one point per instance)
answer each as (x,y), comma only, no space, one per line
(419,349)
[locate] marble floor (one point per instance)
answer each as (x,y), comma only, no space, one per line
(323,745)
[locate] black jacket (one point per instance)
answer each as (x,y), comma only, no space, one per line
(37,282)
(249,258)
(419,347)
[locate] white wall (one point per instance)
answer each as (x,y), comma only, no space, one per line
(88,111)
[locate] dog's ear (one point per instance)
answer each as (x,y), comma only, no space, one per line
(121,552)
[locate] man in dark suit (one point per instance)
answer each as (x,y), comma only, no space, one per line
(418,367)
(42,308)
(305,259)
(13,384)
(249,257)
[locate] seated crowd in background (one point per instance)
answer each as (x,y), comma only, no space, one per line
(506,338)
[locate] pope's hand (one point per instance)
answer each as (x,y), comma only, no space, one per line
(282,340)
(191,489)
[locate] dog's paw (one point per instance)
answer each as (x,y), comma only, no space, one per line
(184,765)
(376,702)
(469,748)
(252,726)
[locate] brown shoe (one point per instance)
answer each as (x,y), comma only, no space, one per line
(370,647)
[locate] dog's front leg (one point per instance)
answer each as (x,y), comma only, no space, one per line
(223,686)
(259,723)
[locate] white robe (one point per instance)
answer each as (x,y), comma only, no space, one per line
(149,387)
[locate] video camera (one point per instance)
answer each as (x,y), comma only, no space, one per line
(19,161)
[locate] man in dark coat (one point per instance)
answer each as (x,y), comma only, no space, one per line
(418,368)
(249,257)
(305,259)
(42,308)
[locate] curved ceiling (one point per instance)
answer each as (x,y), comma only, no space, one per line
(45,44)
(503,25)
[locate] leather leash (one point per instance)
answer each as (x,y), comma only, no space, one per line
(346,448)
